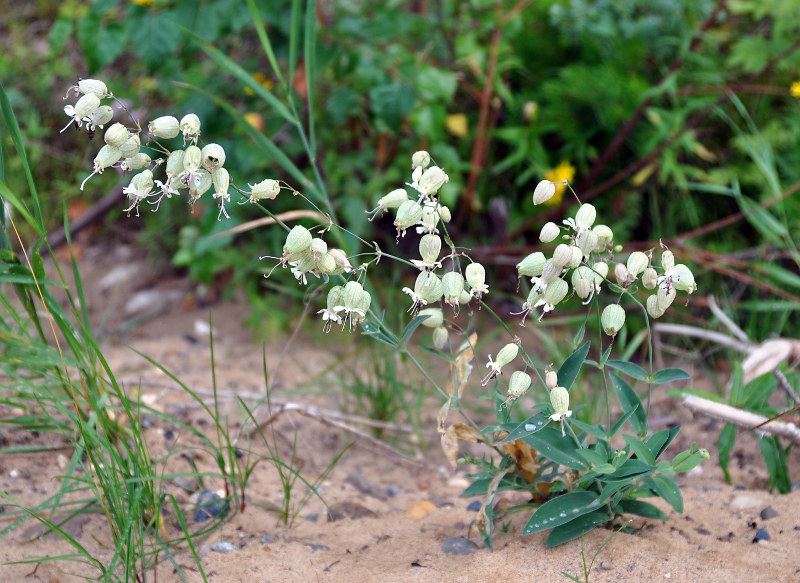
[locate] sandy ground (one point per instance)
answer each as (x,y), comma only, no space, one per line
(396,513)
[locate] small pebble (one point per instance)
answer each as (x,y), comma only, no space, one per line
(475,505)
(316,547)
(209,505)
(224,547)
(349,509)
(393,490)
(266,539)
(768,512)
(311,517)
(458,545)
(762,534)
(745,501)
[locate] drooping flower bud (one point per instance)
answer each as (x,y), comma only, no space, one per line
(637,263)
(199,183)
(435,317)
(543,192)
(342,263)
(507,354)
(667,260)
(549,232)
(518,385)
(556,291)
(326,264)
(612,319)
(136,162)
(532,265)
(175,162)
(585,216)
(298,241)
(683,278)
(392,200)
(428,287)
(621,273)
(266,189)
(587,242)
(583,281)
(562,255)
(432,180)
(192,158)
(452,287)
(318,247)
(100,117)
(93,87)
(213,157)
(190,126)
(429,248)
(649,278)
(550,271)
(131,146)
(444,213)
(107,156)
(420,159)
(475,275)
(551,379)
(166,127)
(653,308)
(601,271)
(221,180)
(559,399)
(604,237)
(116,135)
(408,214)
(439,337)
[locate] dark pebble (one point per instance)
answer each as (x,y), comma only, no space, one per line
(762,534)
(311,517)
(348,509)
(209,505)
(475,505)
(458,545)
(739,488)
(708,488)
(266,539)
(393,490)
(315,547)
(169,435)
(701,530)
(768,512)
(752,524)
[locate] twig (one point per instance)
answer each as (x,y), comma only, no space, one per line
(742,418)
(784,384)
(723,317)
(718,337)
(263,221)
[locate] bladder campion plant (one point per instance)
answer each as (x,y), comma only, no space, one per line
(578,473)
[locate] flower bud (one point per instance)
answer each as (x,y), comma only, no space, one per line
(649,278)
(221,180)
(166,127)
(352,292)
(298,241)
(507,354)
(116,135)
(604,236)
(342,263)
(444,213)
(551,379)
(653,308)
(587,242)
(549,232)
(266,189)
(667,260)
(408,214)
(318,247)
(213,157)
(683,278)
(394,199)
(620,273)
(200,183)
(556,291)
(562,255)
(175,162)
(637,263)
(190,126)
(131,146)
(577,257)
(439,337)
(532,265)
(428,287)
(93,87)
(335,297)
(452,286)
(429,248)
(543,192)
(420,159)
(326,264)
(475,275)
(435,317)
(101,116)
(107,156)
(432,180)
(136,162)
(612,319)
(601,271)
(550,271)
(585,216)
(430,217)
(86,105)
(519,384)
(192,158)
(559,399)
(583,281)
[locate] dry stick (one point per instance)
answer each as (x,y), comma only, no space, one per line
(723,317)
(742,418)
(716,337)
(320,416)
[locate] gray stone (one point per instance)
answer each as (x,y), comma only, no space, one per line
(224,547)
(458,545)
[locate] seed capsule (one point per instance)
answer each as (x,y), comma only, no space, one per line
(166,127)
(612,319)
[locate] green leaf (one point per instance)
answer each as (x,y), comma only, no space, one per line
(659,441)
(725,443)
(668,490)
(632,468)
(777,464)
(628,368)
(527,427)
(405,337)
(560,510)
(590,429)
(575,528)
(640,449)
(758,391)
(737,386)
(641,509)
(668,375)
(630,401)
(569,370)
(391,102)
(550,443)
(593,457)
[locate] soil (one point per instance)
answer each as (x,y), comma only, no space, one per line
(394,512)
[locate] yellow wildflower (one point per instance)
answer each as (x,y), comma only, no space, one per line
(262,80)
(142,2)
(562,172)
(456,124)
(794,89)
